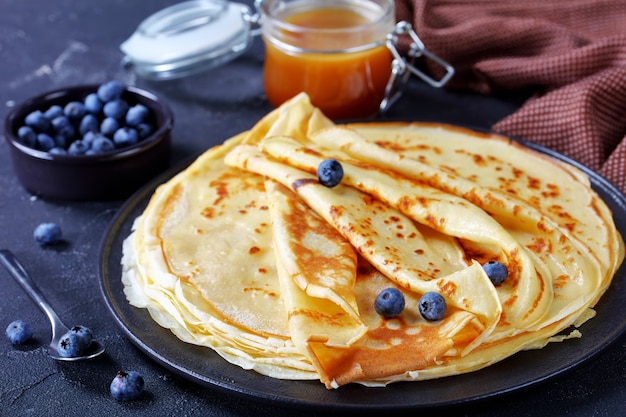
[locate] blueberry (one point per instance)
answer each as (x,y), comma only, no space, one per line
(84,333)
(102,144)
(60,141)
(38,121)
(27,136)
(63,127)
(127,386)
(54,111)
(78,147)
(89,123)
(92,103)
(71,345)
(136,114)
(47,234)
(108,126)
(125,136)
(116,108)
(110,90)
(389,302)
(19,332)
(496,271)
(89,137)
(74,110)
(45,142)
(432,306)
(329,172)
(144,130)
(57,150)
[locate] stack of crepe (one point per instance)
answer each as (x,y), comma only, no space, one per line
(245,252)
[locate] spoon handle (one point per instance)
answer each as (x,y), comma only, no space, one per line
(21,276)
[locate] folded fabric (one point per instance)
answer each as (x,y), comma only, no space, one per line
(570,55)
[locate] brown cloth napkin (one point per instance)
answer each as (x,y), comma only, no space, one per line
(571,55)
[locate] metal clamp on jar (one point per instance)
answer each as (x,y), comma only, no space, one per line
(342,53)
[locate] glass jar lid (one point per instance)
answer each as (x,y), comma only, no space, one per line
(188,38)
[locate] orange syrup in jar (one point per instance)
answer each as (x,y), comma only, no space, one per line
(336,55)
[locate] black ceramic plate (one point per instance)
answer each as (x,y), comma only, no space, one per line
(205,367)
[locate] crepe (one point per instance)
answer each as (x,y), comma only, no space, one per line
(247,253)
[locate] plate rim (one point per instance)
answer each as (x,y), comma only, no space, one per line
(333,399)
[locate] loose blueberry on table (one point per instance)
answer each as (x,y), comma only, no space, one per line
(47,234)
(19,332)
(127,386)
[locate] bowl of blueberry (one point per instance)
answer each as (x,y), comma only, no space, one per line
(90,142)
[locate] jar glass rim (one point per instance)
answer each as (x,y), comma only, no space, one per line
(380,22)
(276,10)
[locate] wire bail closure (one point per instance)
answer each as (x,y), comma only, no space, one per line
(402,68)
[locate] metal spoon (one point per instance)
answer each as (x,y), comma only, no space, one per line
(58,328)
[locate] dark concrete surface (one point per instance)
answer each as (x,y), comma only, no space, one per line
(50,44)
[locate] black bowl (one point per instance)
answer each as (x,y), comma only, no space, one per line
(112,175)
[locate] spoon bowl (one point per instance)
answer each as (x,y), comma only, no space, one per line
(18,272)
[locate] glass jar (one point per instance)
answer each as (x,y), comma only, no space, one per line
(334,50)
